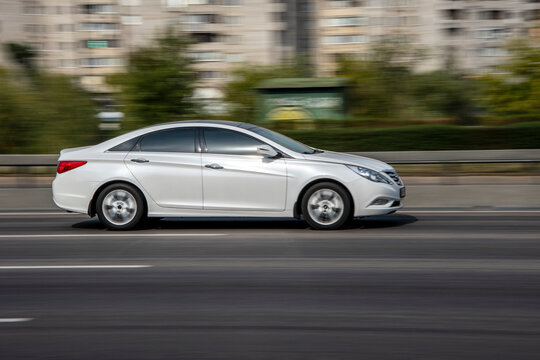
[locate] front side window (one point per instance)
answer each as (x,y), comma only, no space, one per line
(171,140)
(283,140)
(222,141)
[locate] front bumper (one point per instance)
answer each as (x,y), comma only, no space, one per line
(371,198)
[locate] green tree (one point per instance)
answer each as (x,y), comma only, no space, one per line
(157,85)
(514,90)
(447,94)
(44,114)
(381,83)
(241,92)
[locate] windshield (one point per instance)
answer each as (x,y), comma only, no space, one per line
(284,141)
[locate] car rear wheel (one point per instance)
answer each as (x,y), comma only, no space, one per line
(326,206)
(120,207)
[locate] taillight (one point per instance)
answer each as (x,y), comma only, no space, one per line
(64,166)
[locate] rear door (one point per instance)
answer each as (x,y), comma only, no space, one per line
(236,178)
(168,167)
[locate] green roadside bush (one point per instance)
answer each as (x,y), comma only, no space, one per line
(423,137)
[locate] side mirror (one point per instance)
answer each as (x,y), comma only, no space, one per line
(267,151)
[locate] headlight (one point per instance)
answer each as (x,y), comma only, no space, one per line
(368,174)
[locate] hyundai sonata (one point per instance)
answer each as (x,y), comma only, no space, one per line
(219,168)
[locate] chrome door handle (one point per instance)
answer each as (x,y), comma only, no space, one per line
(140,160)
(213,166)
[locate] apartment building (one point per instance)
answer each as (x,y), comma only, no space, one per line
(469,35)
(90,38)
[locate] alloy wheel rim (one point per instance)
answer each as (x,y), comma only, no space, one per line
(119,207)
(325,206)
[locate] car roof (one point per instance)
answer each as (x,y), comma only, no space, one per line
(241,125)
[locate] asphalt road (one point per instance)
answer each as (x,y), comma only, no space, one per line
(413,285)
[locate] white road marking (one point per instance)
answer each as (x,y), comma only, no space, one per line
(108,235)
(13,320)
(47,267)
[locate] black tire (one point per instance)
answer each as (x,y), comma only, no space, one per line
(332,203)
(127,206)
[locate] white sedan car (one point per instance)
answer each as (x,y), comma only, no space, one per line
(219,168)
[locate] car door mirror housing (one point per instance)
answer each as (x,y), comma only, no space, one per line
(267,151)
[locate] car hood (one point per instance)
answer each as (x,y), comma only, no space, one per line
(348,159)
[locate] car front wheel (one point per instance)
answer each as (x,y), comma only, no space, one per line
(120,207)
(326,206)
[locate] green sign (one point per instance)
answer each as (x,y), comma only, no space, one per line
(96,44)
(301,100)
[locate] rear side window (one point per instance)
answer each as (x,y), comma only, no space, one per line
(171,140)
(126,145)
(221,141)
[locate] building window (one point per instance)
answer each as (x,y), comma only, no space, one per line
(132,20)
(130,2)
(67,63)
(232,20)
(454,14)
(493,15)
(98,9)
(101,44)
(343,3)
(65,27)
(204,37)
(91,26)
(491,51)
(278,17)
(36,45)
(345,21)
(210,75)
(101,62)
(453,31)
(232,39)
(494,33)
(200,19)
(235,57)
(206,56)
(35,28)
(232,2)
(184,3)
(345,39)
(34,10)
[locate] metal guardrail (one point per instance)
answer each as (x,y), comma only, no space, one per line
(456,156)
(391,157)
(30,160)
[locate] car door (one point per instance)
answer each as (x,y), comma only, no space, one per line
(236,178)
(168,167)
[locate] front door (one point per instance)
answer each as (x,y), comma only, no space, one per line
(236,178)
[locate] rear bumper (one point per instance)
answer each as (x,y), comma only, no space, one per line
(71,196)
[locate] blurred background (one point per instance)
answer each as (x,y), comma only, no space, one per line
(354,76)
(379,74)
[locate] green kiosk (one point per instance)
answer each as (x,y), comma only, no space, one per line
(298,102)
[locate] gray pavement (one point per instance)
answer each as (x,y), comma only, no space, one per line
(413,285)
